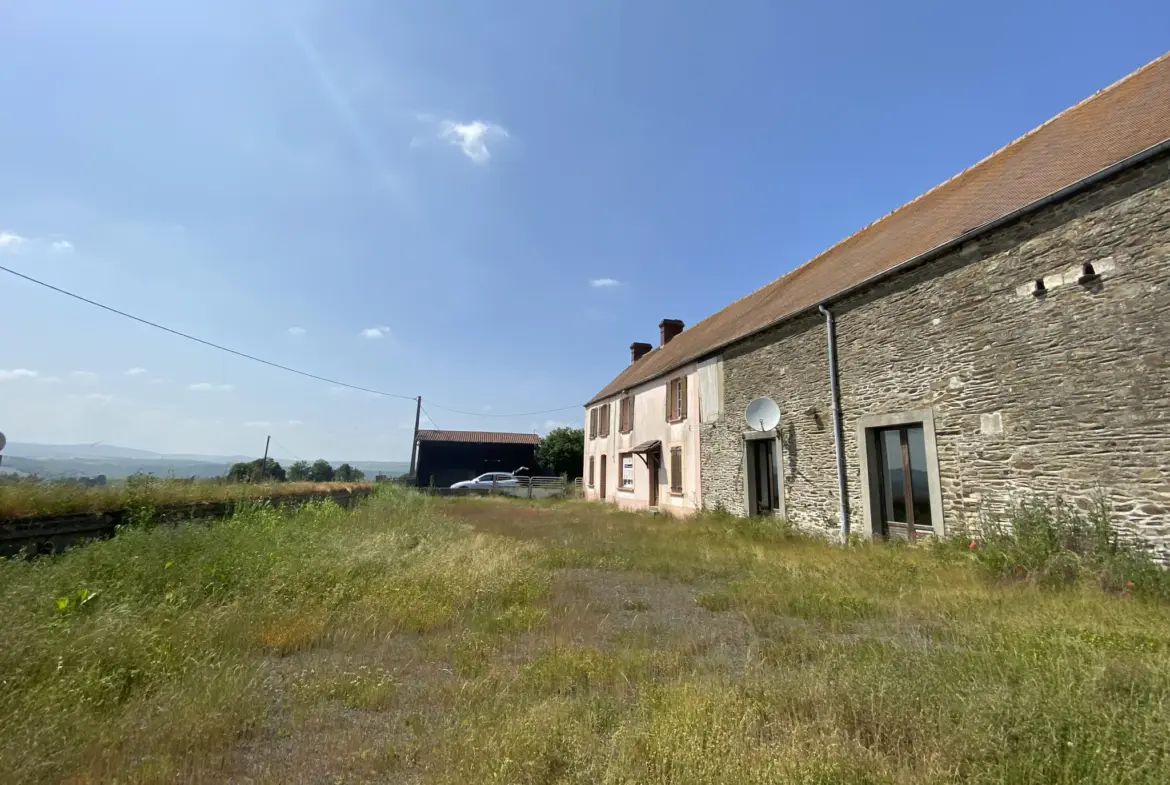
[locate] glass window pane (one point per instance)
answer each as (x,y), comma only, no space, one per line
(919,480)
(892,488)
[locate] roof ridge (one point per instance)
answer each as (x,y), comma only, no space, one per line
(953,178)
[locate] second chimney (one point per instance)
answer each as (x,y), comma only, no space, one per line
(668,329)
(638,351)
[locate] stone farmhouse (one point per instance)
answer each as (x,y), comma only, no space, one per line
(1005,334)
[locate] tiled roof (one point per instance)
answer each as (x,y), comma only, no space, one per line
(478,437)
(1122,120)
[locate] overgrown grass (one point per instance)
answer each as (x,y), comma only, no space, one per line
(1054,544)
(29,496)
(501,641)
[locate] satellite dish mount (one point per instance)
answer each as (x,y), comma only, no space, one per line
(762,414)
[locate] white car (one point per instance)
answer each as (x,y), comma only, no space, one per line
(489,480)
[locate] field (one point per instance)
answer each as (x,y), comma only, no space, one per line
(26,497)
(502,641)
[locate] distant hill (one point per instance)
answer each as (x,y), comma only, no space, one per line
(99,450)
(112,468)
(59,461)
(372,468)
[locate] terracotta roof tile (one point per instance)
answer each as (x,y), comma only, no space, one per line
(478,437)
(1120,121)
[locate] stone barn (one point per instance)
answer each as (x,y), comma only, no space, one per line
(1004,335)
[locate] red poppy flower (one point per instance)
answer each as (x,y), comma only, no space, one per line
(972,545)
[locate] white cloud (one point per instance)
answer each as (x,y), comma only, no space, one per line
(295,423)
(85,377)
(258,424)
(99,397)
(601,283)
(50,379)
(209,387)
(15,243)
(472,137)
(18,373)
(135,371)
(296,332)
(552,425)
(11,241)
(381,331)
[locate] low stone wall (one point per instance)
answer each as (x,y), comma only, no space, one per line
(52,533)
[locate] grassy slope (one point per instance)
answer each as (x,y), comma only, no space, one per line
(496,641)
(31,497)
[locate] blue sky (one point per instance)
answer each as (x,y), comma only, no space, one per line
(417,196)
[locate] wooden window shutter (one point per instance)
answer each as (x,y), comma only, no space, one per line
(682,404)
(593,423)
(590,471)
(676,469)
(669,399)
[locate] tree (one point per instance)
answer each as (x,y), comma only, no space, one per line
(346,473)
(562,451)
(300,471)
(321,471)
(256,471)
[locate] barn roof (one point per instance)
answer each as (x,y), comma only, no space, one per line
(478,437)
(1116,123)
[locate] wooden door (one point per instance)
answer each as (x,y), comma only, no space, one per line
(765,482)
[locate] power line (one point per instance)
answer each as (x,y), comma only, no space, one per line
(432,419)
(260,360)
(509,414)
(290,452)
(158,326)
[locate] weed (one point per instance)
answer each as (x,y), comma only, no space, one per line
(443,641)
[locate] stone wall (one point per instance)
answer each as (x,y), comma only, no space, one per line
(1063,395)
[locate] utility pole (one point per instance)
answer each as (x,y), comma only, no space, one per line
(414,441)
(264,463)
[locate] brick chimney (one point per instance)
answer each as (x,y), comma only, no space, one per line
(638,351)
(668,328)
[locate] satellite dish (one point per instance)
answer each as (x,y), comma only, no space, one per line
(762,414)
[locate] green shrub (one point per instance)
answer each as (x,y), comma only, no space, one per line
(1054,544)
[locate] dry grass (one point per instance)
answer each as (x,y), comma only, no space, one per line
(498,641)
(23,498)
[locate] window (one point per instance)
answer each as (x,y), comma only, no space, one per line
(902,480)
(676,400)
(899,474)
(626,414)
(603,420)
(628,471)
(590,471)
(676,470)
(593,423)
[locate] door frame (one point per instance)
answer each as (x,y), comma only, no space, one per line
(869,456)
(749,498)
